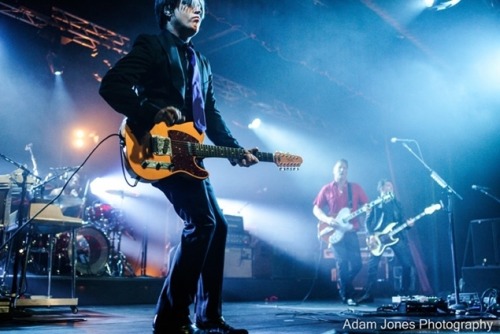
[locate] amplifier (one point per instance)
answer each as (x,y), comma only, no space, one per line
(238,262)
(234,224)
(238,239)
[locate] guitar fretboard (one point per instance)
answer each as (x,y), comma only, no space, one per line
(210,151)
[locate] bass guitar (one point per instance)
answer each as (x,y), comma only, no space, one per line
(333,232)
(168,150)
(379,241)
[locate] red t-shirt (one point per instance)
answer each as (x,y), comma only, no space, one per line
(331,200)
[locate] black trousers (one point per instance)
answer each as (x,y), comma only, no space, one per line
(196,270)
(348,259)
(403,255)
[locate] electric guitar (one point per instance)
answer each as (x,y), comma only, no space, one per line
(332,233)
(167,150)
(379,241)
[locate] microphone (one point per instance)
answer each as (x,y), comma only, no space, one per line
(394,140)
(476,187)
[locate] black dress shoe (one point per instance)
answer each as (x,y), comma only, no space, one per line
(219,327)
(185,329)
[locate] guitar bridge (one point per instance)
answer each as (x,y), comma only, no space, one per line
(161,145)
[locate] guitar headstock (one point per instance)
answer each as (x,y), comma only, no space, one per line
(286,161)
(387,197)
(433,208)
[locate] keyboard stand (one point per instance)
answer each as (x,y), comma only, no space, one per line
(51,221)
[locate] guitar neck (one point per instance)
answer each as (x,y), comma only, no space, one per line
(405,225)
(211,151)
(370,205)
(354,214)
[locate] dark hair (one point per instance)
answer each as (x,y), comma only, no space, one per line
(161,5)
(381,183)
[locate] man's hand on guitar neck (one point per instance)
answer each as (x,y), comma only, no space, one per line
(248,159)
(367,208)
(410,222)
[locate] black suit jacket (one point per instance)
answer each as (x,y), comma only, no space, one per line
(150,77)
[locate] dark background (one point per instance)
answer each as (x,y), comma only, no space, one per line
(330,79)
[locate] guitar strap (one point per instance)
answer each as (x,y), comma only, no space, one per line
(349,195)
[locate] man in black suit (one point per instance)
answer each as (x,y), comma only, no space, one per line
(152,84)
(376,221)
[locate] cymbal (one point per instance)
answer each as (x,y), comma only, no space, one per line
(121,192)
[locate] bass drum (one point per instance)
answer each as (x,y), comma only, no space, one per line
(92,250)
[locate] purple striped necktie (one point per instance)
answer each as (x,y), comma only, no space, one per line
(198,103)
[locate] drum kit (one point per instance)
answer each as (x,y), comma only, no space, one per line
(98,241)
(98,244)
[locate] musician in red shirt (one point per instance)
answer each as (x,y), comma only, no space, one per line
(328,205)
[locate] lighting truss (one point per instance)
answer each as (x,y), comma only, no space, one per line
(81,31)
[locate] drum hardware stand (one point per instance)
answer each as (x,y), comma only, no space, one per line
(118,264)
(144,252)
(458,306)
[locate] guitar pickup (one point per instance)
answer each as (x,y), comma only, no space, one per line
(158,165)
(161,145)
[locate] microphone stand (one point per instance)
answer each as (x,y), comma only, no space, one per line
(489,195)
(451,230)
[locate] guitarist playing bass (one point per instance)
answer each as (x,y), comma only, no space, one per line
(331,199)
(379,217)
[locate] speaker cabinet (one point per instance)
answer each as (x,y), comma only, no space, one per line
(238,262)
(479,279)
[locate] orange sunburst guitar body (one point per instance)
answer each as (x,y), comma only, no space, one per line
(167,150)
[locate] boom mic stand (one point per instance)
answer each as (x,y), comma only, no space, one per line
(451,229)
(488,194)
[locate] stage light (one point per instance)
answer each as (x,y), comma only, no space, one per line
(429,3)
(441,4)
(55,64)
(255,124)
(83,138)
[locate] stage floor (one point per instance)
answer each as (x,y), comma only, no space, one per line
(310,317)
(126,305)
